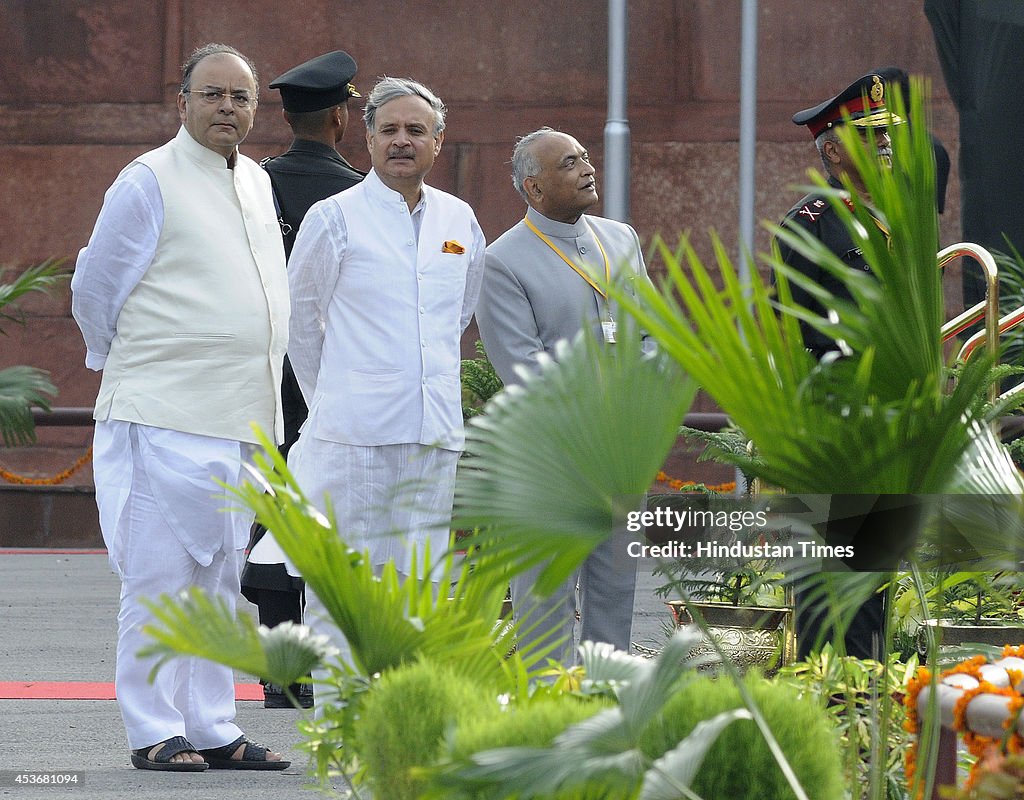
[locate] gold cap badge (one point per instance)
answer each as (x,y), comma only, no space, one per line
(877,89)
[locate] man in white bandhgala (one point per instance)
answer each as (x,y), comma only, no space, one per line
(384,278)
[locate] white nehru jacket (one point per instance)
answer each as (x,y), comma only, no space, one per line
(201,337)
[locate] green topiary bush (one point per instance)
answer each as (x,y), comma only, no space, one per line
(404,718)
(533,724)
(739,765)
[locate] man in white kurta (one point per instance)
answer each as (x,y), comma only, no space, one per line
(182,298)
(542,285)
(384,278)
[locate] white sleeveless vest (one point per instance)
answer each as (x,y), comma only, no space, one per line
(201,339)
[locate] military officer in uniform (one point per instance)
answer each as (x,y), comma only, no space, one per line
(314,99)
(864,103)
(862,106)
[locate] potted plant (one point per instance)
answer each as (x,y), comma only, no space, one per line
(737,589)
(968,607)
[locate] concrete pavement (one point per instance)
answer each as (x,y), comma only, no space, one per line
(58,614)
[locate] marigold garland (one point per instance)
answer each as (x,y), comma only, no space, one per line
(60,477)
(679,485)
(976,744)
(912,724)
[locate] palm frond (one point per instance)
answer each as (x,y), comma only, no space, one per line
(21,389)
(558,462)
(876,422)
(38,278)
(387,619)
(195,624)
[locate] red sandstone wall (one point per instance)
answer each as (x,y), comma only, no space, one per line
(85,85)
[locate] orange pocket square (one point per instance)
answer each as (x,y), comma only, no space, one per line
(452,246)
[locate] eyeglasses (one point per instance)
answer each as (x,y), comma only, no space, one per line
(216,96)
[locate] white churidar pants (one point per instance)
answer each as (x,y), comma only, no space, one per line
(390,499)
(163,521)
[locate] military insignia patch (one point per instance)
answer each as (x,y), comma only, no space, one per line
(809,213)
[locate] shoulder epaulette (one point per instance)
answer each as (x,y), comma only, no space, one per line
(813,208)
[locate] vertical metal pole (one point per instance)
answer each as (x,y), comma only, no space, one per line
(748,158)
(748,133)
(616,129)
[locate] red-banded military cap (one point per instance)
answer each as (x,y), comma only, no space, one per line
(863,101)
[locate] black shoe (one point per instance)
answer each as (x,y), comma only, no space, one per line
(305,695)
(274,696)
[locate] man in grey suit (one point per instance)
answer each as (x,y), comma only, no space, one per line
(543,283)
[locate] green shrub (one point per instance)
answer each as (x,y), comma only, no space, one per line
(404,718)
(739,765)
(533,724)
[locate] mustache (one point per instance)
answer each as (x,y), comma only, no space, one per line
(399,152)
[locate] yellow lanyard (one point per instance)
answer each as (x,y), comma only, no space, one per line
(561,255)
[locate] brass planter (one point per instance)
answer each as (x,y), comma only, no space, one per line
(750,636)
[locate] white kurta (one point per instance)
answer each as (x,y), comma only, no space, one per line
(378,311)
(380,298)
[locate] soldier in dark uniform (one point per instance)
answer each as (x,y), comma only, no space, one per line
(863,104)
(314,99)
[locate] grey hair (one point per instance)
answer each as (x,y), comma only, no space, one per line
(213,49)
(827,135)
(388,89)
(524,162)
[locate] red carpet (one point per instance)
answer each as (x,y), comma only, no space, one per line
(47,551)
(79,690)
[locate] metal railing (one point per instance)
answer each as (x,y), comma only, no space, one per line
(987,308)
